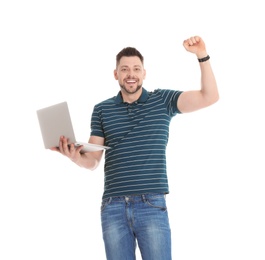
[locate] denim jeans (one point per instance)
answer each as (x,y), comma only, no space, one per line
(141,219)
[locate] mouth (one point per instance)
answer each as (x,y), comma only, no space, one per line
(131,81)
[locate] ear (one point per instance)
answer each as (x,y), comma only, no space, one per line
(144,74)
(115,74)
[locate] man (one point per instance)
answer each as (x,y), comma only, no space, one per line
(135,125)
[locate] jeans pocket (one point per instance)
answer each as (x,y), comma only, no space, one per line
(157,202)
(104,204)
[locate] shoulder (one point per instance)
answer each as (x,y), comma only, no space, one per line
(106,102)
(165,93)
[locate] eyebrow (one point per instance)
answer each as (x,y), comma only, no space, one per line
(126,66)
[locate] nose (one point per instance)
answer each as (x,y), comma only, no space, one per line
(130,74)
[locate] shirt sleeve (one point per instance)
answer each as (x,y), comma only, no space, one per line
(96,123)
(170,99)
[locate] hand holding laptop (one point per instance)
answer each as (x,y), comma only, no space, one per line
(75,154)
(63,144)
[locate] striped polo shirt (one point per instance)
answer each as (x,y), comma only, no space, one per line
(137,134)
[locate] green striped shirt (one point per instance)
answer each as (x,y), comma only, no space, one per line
(137,134)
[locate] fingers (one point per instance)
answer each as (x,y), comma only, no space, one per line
(195,45)
(191,41)
(63,145)
(66,149)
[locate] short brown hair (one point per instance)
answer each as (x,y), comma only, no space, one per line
(129,52)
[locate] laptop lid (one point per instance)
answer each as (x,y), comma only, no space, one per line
(54,122)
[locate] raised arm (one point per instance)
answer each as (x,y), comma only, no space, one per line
(193,100)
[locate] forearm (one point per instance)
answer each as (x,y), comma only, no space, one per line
(209,88)
(207,95)
(87,160)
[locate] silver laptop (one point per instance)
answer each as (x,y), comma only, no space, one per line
(55,121)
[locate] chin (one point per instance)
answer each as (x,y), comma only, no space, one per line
(131,90)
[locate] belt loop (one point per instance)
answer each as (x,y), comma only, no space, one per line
(143,198)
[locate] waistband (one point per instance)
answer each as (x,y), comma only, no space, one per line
(135,198)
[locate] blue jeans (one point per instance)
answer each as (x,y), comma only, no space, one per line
(141,218)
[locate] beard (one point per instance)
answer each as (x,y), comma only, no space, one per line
(129,90)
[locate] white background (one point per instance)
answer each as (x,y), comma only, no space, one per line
(53,51)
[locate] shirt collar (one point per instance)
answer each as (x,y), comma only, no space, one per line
(142,98)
